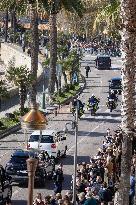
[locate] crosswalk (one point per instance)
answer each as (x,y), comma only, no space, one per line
(106,115)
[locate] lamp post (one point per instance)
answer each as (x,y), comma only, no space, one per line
(75,154)
(43,97)
(75,127)
(33,120)
(31,168)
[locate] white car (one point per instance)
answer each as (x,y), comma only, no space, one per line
(51,141)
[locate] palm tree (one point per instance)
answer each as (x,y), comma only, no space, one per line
(22,78)
(128,100)
(6,25)
(3,91)
(53,7)
(128,71)
(34,50)
(108,13)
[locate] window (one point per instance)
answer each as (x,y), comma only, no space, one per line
(19,159)
(34,138)
(47,139)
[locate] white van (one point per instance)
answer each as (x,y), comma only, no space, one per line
(51,141)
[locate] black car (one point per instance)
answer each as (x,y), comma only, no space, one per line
(115,84)
(103,62)
(17,168)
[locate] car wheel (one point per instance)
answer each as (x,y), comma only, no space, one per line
(65,151)
(58,154)
(42,182)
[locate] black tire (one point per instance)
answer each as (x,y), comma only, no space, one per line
(65,151)
(58,154)
(42,182)
(110,109)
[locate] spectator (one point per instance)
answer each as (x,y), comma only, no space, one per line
(90,200)
(38,200)
(81,198)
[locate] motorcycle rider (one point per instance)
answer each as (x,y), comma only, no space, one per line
(112,96)
(93,101)
(44,156)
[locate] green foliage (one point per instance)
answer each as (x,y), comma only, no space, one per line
(19,75)
(3,90)
(109,14)
(53,7)
(17,113)
(7,123)
(70,91)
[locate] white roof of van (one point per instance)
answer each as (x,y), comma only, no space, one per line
(45,132)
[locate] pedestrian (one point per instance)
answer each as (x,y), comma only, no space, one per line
(90,200)
(87,68)
(38,200)
(58,179)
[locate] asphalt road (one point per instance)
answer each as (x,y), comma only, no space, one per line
(90,134)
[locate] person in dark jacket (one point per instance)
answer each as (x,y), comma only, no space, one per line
(90,200)
(87,68)
(105,194)
(58,179)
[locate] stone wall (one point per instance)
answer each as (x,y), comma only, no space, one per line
(10,51)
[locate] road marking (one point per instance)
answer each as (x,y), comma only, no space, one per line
(16,192)
(3,155)
(83,138)
(103,117)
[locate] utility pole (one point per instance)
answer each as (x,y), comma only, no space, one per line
(75,153)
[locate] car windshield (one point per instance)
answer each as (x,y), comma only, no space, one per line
(103,59)
(34,138)
(47,139)
(116,83)
(19,159)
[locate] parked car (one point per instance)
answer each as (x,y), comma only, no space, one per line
(115,84)
(51,141)
(17,168)
(103,62)
(5,187)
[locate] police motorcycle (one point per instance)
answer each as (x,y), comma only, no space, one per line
(80,105)
(92,104)
(112,101)
(48,163)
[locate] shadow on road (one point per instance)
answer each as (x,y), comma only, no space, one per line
(91,134)
(22,202)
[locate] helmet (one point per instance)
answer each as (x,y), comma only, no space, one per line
(93,95)
(112,91)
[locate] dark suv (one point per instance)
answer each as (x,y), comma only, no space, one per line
(103,62)
(17,168)
(115,84)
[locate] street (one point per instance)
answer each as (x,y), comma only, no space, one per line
(91,128)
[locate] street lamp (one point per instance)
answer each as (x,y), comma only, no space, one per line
(75,127)
(31,168)
(43,98)
(33,120)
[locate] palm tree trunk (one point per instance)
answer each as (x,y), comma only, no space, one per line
(22,100)
(65,78)
(14,24)
(6,25)
(34,53)
(128,102)
(53,53)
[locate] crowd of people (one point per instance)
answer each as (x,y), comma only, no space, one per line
(97,181)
